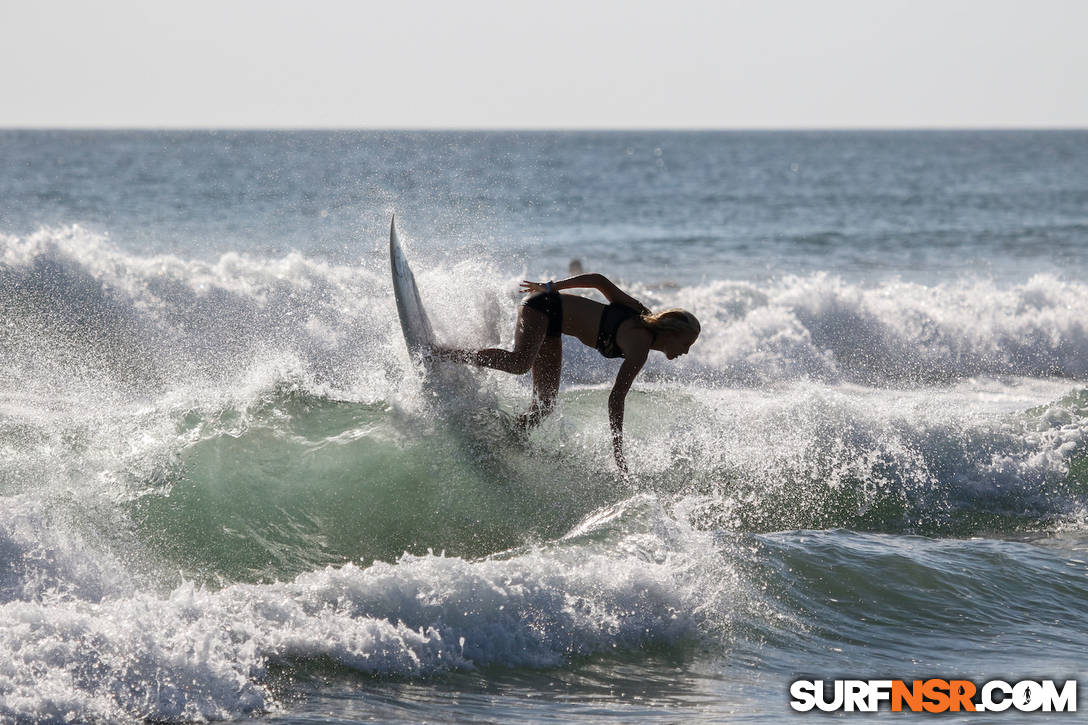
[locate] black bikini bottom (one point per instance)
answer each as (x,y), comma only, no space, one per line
(552,306)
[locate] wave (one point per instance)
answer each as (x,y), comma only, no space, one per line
(959,461)
(914,596)
(826,329)
(629,579)
(214,469)
(295,481)
(196,653)
(282,480)
(254,458)
(76,305)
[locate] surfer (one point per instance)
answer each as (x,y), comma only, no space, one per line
(624,328)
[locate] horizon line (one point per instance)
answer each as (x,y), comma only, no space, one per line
(545,129)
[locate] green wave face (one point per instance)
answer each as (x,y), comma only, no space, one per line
(300,482)
(297,481)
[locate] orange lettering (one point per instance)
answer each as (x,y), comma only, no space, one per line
(961,692)
(937,691)
(912,695)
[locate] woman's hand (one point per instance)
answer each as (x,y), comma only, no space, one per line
(528,287)
(617,453)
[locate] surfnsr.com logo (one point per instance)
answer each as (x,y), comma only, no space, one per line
(933,695)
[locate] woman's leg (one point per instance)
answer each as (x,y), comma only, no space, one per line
(527,338)
(546,369)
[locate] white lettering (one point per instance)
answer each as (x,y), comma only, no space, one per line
(988,702)
(855,695)
(1027,696)
(879,690)
(1065,701)
(803,693)
(835,703)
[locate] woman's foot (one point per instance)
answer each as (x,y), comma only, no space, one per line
(449,354)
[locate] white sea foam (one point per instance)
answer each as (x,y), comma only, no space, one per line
(106,350)
(809,455)
(44,558)
(197,653)
(824,328)
(162,318)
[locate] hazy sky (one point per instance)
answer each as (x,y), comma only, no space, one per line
(503,63)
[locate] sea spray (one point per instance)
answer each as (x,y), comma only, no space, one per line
(215,453)
(196,652)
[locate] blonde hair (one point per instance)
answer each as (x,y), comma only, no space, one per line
(674,320)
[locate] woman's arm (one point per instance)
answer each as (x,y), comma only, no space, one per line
(632,364)
(590,281)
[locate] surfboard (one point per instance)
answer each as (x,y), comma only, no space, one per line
(414,323)
(455,394)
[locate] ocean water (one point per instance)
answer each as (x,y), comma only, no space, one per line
(226,494)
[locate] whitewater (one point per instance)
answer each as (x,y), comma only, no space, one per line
(228,496)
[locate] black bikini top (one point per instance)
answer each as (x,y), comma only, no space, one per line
(611,319)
